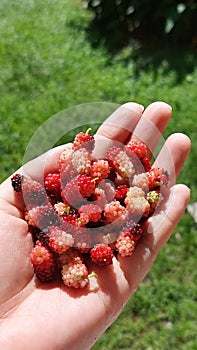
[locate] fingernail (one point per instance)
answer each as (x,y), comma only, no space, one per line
(142,107)
(134,106)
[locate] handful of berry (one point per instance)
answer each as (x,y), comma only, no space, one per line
(91,209)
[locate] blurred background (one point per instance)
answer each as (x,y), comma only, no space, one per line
(55,54)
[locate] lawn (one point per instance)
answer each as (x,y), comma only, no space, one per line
(48,64)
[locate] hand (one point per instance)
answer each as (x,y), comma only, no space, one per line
(52,316)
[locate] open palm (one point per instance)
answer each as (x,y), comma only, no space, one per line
(52,316)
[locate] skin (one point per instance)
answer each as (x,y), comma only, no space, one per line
(52,316)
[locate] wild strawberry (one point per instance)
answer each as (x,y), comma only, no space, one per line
(75,275)
(101,255)
(59,240)
(84,140)
(43,262)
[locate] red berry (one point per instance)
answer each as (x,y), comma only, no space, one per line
(66,168)
(121,191)
(71,255)
(59,240)
(140,150)
(77,189)
(34,193)
(71,219)
(100,169)
(53,187)
(114,210)
(81,161)
(42,217)
(43,262)
(87,210)
(91,211)
(42,236)
(141,181)
(157,177)
(101,255)
(86,185)
(136,202)
(146,163)
(133,229)
(85,140)
(154,198)
(16,181)
(52,183)
(137,148)
(125,245)
(120,161)
(75,275)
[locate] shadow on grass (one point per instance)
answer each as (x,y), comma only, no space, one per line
(147,52)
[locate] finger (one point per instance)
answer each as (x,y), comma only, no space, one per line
(121,123)
(173,155)
(117,127)
(159,229)
(152,124)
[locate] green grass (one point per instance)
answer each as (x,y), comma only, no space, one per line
(47,64)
